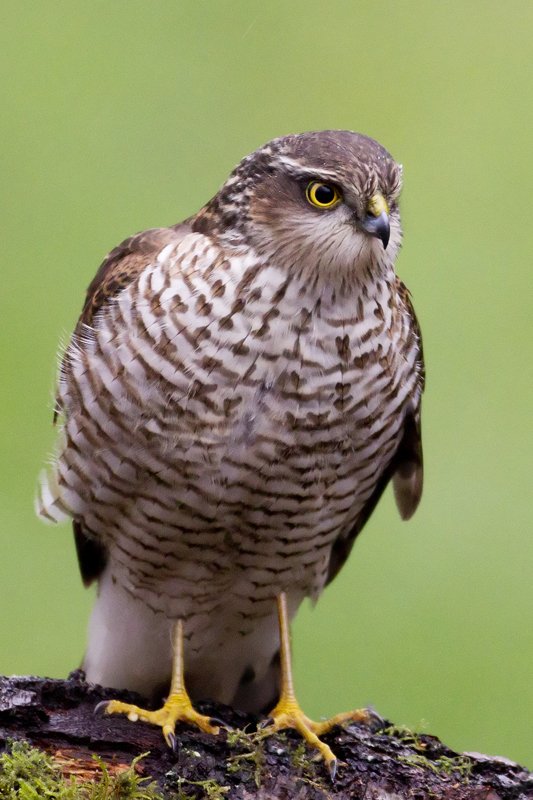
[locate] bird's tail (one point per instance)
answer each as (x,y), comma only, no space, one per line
(48,503)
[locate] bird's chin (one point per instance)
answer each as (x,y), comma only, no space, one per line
(350,259)
(320,253)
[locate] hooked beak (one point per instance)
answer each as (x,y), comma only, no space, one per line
(376,222)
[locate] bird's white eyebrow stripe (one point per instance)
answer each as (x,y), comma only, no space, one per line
(289,162)
(296,166)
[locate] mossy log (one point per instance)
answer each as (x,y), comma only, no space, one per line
(389,763)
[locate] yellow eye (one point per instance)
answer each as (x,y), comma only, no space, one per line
(322,195)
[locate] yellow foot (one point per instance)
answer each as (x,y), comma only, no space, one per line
(177,708)
(288,714)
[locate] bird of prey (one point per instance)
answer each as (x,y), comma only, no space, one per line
(238,391)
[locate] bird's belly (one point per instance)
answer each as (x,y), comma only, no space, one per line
(227,521)
(216,551)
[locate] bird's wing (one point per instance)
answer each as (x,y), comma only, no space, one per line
(118,270)
(92,554)
(406,466)
(124,263)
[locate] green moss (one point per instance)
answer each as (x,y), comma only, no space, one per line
(459,766)
(249,763)
(406,736)
(29,774)
(308,768)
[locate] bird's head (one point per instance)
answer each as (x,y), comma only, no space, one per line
(319,203)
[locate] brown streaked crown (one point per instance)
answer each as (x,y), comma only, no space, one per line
(357,163)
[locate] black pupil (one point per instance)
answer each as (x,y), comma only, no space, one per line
(324,194)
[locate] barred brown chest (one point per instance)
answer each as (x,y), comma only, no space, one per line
(226,423)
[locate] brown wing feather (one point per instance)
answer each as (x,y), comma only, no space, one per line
(124,263)
(407,479)
(416,333)
(120,267)
(92,554)
(406,466)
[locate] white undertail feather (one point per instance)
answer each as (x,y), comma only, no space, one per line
(130,645)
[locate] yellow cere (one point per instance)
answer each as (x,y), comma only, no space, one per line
(323,195)
(377,205)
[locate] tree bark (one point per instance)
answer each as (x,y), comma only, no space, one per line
(385,764)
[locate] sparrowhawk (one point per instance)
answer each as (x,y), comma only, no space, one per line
(238,391)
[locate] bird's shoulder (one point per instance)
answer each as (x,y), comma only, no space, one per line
(118,270)
(124,263)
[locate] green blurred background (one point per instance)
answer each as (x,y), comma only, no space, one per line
(123,115)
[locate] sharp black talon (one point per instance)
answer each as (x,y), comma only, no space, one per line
(266,723)
(100,706)
(332,768)
(375,718)
(171,741)
(221,723)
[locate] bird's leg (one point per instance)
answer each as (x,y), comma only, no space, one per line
(288,714)
(177,707)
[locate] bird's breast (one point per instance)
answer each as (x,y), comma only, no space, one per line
(229,436)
